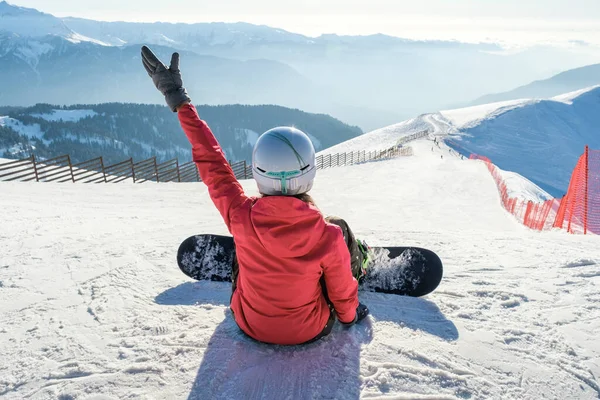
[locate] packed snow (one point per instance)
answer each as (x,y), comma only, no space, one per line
(66,115)
(93,305)
(436,127)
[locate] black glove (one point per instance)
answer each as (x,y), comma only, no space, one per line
(167,80)
(361,313)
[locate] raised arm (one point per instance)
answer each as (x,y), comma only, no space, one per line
(224,189)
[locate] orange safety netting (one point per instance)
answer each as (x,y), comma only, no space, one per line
(578,211)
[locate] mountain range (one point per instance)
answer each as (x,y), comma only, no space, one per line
(564,82)
(370,81)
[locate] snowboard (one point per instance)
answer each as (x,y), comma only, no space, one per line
(407,271)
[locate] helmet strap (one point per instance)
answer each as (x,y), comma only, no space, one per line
(284,176)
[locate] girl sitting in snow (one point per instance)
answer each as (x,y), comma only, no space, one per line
(295,270)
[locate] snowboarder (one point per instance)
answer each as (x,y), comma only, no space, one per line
(295,270)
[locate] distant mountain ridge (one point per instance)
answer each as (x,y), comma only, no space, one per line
(370,81)
(55,70)
(564,82)
(119,131)
(28,22)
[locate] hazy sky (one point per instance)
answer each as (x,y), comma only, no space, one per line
(511,21)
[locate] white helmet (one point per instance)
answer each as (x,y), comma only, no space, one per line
(283,162)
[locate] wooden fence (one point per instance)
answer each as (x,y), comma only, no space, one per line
(414,136)
(358,157)
(60,169)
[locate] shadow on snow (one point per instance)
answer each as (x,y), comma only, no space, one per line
(191,293)
(235,366)
(416,313)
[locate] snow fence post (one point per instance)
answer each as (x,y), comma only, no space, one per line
(526,219)
(132,169)
(585,197)
(37,178)
(103,171)
(71,168)
(156,169)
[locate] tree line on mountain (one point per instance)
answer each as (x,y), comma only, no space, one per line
(119,131)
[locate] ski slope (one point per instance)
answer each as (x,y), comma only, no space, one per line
(518,186)
(93,306)
(541,140)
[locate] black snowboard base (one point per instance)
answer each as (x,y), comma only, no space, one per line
(406,271)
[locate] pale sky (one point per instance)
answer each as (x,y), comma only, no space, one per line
(508,21)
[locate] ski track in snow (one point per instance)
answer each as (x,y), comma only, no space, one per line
(93,305)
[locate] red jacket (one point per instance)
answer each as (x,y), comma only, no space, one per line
(284,247)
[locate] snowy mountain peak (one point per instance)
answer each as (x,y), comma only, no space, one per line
(183,35)
(7,9)
(31,23)
(28,22)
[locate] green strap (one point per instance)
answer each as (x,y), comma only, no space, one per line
(283,176)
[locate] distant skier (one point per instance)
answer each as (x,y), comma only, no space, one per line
(295,270)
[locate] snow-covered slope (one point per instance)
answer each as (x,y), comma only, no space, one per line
(519,186)
(92,304)
(381,139)
(539,139)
